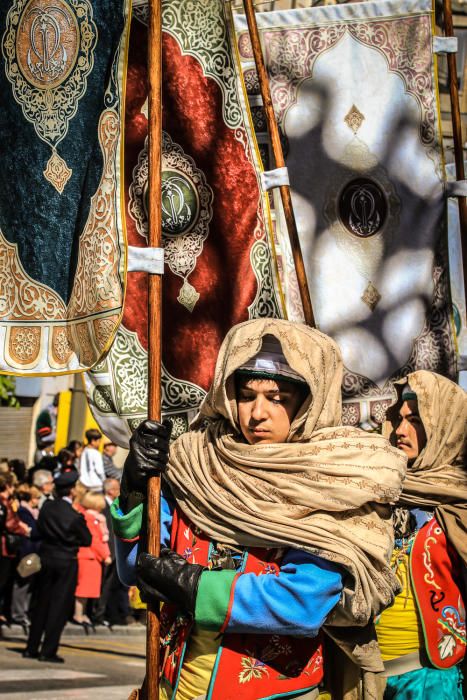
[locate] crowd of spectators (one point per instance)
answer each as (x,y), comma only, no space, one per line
(99,597)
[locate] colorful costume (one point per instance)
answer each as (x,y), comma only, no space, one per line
(288,532)
(422,637)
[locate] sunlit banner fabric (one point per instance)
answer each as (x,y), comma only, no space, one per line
(456,274)
(216,231)
(354,90)
(62,254)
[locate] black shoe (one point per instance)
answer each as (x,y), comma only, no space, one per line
(88,627)
(55,659)
(26,654)
(102,623)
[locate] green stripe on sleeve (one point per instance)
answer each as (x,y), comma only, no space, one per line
(126,526)
(213,597)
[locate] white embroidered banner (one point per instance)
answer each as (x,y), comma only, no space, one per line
(354,91)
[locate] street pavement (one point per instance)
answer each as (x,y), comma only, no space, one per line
(101,666)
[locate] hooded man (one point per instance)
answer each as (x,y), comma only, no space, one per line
(277,519)
(422,637)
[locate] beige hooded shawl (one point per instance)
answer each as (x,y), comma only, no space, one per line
(438,477)
(326,490)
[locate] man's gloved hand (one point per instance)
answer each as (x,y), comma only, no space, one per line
(168,578)
(149,454)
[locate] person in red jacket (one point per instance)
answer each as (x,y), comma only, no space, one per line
(11,532)
(91,559)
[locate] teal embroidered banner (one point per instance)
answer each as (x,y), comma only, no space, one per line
(62,249)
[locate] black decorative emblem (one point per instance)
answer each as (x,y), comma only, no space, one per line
(362,207)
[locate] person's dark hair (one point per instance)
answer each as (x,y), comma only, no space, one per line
(48,462)
(62,491)
(18,467)
(93,434)
(74,445)
(242,378)
(65,456)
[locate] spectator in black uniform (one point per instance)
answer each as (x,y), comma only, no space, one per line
(63,531)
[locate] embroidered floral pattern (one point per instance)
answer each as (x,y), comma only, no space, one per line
(252,670)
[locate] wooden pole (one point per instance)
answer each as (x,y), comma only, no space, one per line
(151,689)
(279,162)
(457,135)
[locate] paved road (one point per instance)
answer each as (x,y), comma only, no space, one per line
(98,667)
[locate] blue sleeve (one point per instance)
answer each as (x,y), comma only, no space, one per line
(167,511)
(296,602)
(127,552)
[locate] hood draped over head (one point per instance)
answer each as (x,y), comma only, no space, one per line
(438,477)
(325,490)
(312,356)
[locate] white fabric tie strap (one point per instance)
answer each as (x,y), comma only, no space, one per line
(445,44)
(255,100)
(457,188)
(146,260)
(274,178)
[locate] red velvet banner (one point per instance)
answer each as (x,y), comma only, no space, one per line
(219,266)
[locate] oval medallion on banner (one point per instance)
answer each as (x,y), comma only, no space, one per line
(47,42)
(187,202)
(362,207)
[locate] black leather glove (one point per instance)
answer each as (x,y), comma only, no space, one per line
(168,579)
(148,456)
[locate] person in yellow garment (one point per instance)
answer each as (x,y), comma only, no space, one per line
(275,523)
(422,636)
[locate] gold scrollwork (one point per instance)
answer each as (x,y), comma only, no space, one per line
(429,578)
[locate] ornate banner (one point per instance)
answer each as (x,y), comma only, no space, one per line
(216,228)
(62,252)
(456,274)
(355,94)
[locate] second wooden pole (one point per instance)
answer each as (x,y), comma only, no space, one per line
(151,691)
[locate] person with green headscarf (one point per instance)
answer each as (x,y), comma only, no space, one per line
(275,523)
(422,636)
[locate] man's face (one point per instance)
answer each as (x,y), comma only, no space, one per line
(266,408)
(113,489)
(48,486)
(110,450)
(410,433)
